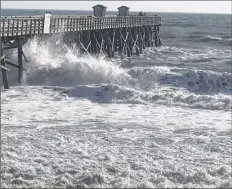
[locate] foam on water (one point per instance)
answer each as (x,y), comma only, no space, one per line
(199,81)
(58,65)
(110,145)
(158,120)
(108,93)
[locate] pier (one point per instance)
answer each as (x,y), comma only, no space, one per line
(125,34)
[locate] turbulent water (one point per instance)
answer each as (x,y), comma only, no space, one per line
(162,119)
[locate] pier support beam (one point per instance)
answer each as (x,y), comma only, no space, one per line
(108,42)
(140,40)
(129,43)
(151,35)
(135,43)
(156,36)
(159,43)
(87,41)
(120,43)
(112,41)
(20,59)
(4,70)
(93,42)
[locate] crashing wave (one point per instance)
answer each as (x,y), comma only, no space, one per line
(109,93)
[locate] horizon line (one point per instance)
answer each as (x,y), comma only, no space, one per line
(117,11)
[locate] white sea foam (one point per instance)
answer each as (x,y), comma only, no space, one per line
(147,121)
(74,142)
(107,93)
(66,67)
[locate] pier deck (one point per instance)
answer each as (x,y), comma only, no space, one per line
(32,25)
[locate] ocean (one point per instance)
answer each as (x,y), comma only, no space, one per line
(158,120)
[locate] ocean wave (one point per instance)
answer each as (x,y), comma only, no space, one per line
(69,69)
(110,93)
(200,37)
(225,40)
(93,71)
(83,71)
(197,81)
(64,66)
(212,38)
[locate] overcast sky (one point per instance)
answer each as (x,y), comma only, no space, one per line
(149,6)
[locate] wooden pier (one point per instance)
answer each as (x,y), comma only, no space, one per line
(126,35)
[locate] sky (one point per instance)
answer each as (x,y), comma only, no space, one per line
(223,7)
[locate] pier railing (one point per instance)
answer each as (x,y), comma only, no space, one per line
(32,25)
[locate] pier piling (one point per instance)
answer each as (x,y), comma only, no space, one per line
(20,58)
(4,70)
